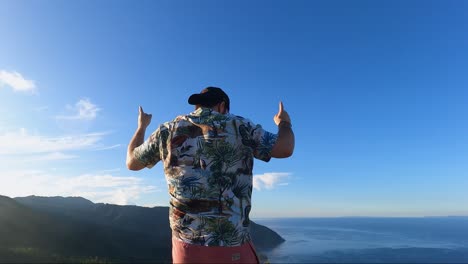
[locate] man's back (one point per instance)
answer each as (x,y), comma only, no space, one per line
(208,162)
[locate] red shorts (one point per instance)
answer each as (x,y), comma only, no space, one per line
(188,253)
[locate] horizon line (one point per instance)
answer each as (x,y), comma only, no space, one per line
(260,217)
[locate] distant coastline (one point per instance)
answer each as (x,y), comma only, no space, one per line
(351,217)
(435,239)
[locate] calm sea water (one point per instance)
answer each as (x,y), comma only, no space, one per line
(369,240)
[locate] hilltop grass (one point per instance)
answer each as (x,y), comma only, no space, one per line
(37,255)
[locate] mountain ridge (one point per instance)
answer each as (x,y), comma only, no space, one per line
(74,229)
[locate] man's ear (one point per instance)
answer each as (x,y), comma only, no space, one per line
(223,107)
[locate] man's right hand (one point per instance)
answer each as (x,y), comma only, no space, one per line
(282,115)
(144,119)
(284,146)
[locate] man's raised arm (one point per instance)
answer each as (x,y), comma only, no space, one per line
(284,146)
(138,138)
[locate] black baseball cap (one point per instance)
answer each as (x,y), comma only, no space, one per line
(210,96)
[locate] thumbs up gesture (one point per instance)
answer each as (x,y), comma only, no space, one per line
(282,115)
(144,119)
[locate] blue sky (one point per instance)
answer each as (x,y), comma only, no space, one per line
(376,90)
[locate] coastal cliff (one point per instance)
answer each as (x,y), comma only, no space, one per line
(73,229)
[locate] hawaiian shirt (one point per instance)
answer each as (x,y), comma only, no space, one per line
(208,161)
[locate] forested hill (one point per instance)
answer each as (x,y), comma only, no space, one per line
(73,229)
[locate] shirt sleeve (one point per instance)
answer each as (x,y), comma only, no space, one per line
(148,153)
(264,142)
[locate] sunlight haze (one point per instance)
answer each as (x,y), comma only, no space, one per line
(376,91)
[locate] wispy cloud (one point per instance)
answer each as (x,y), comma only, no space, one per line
(153,205)
(84,109)
(107,171)
(41,108)
(17,82)
(21,142)
(109,147)
(101,188)
(270,180)
(52,156)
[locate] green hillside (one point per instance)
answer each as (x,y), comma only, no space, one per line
(73,229)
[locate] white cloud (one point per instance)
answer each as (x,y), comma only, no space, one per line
(16,81)
(270,180)
(82,110)
(107,171)
(41,108)
(151,205)
(99,188)
(109,147)
(21,142)
(52,156)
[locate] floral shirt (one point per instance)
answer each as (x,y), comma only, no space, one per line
(208,162)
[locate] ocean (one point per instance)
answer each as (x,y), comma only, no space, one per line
(369,240)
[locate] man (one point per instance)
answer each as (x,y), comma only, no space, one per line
(208,161)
